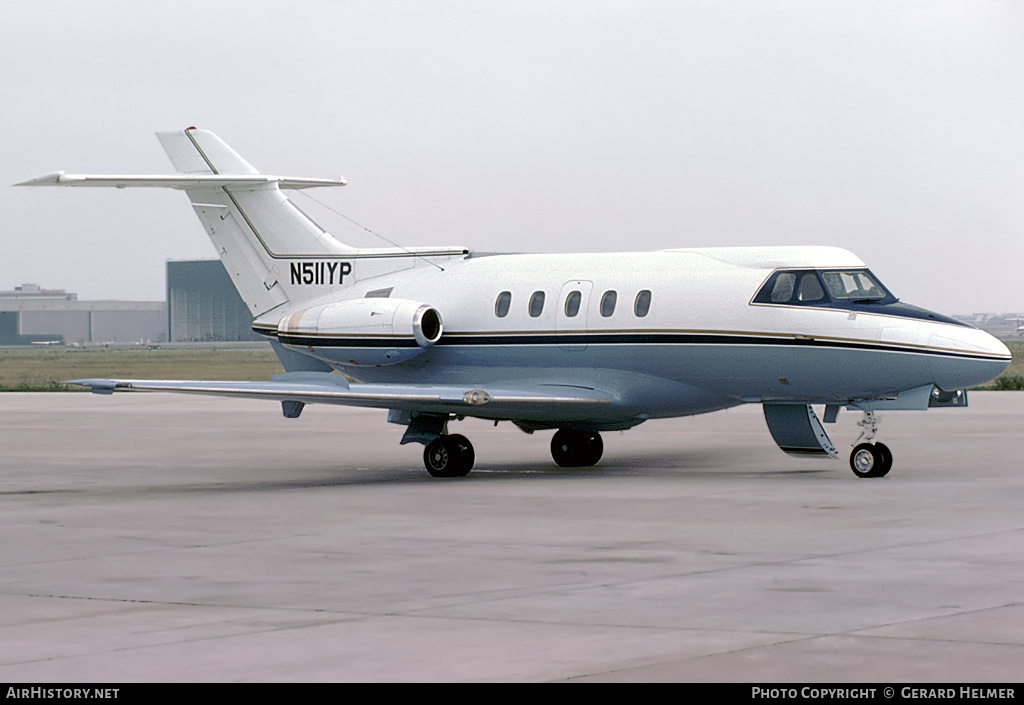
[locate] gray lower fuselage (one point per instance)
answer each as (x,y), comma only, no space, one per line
(699,344)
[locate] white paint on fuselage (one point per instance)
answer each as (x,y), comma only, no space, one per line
(699,292)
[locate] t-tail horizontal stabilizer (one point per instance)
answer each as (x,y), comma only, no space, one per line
(797,430)
(259,234)
(178,181)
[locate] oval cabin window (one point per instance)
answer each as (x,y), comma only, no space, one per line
(502,305)
(572,303)
(642,304)
(608,303)
(536,304)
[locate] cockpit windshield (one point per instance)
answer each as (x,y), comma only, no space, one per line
(852,284)
(840,288)
(845,289)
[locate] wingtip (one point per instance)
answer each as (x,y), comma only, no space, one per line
(97,386)
(44,180)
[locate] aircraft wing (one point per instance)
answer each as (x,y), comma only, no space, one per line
(325,388)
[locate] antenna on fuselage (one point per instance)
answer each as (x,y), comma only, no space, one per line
(375,234)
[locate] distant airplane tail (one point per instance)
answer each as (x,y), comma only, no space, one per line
(273,252)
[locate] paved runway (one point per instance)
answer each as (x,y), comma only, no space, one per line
(170,538)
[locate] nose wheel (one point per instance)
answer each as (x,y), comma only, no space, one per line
(871,460)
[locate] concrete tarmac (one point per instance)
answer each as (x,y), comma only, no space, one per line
(152,537)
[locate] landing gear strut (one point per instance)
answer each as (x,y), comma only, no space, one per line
(574,449)
(449,456)
(870,459)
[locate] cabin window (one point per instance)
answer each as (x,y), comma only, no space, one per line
(642,304)
(572,303)
(536,303)
(503,303)
(608,303)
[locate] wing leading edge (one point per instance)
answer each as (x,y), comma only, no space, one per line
(324,388)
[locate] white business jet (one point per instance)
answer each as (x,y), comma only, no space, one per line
(579,343)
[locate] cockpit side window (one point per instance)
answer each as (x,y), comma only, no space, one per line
(810,288)
(782,290)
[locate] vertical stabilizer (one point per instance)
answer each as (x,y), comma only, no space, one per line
(272,251)
(260,235)
(195,151)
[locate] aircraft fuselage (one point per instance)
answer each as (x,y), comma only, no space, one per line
(701,343)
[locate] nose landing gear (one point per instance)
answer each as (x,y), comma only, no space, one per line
(870,459)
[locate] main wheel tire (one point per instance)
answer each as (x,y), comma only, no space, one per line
(871,460)
(886,460)
(563,448)
(464,454)
(449,456)
(593,449)
(573,449)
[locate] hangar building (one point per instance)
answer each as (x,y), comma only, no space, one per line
(204,305)
(30,313)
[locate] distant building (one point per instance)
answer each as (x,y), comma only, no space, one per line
(31,314)
(34,291)
(203,304)
(1005,326)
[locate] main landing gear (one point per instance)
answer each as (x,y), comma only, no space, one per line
(453,455)
(576,449)
(870,459)
(449,456)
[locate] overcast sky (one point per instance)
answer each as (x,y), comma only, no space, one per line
(892,129)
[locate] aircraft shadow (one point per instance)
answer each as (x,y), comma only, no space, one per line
(686,465)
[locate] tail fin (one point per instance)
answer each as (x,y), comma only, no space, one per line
(255,227)
(195,151)
(272,251)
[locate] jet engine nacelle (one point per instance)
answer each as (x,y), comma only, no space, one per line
(363,331)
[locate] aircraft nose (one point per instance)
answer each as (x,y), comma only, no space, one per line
(967,357)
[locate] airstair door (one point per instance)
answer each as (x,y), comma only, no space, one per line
(571,316)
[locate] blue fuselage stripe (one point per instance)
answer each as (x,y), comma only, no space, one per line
(587,339)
